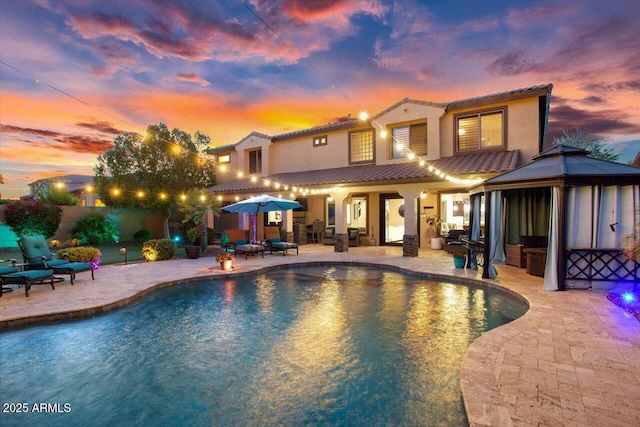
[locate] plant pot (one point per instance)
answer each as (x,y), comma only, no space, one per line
(192,252)
(459,262)
(226,265)
(436,243)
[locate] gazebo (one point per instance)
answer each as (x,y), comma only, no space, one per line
(584,206)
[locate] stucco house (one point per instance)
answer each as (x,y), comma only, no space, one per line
(384,174)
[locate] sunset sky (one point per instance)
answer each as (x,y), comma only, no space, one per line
(74,74)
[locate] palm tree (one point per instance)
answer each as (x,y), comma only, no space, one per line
(195,205)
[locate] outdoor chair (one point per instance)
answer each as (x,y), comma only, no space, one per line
(453,242)
(275,243)
(238,244)
(316,231)
(37,256)
(11,275)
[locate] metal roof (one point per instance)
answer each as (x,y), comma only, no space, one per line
(568,164)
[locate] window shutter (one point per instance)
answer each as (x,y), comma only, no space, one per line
(418,138)
(468,131)
(491,126)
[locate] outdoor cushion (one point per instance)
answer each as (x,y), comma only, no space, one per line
(278,245)
(26,278)
(8,270)
(71,268)
(35,249)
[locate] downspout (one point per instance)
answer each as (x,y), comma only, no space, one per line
(545,125)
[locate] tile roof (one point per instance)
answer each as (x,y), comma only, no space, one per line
(509,94)
(340,125)
(371,174)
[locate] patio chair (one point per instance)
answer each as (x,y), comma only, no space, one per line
(275,244)
(316,230)
(11,275)
(37,256)
(239,245)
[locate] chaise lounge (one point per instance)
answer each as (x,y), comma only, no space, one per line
(11,275)
(37,256)
(239,244)
(275,243)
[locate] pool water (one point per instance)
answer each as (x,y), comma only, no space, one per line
(321,345)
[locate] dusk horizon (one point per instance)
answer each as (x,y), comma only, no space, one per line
(73,75)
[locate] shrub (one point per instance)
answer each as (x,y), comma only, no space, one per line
(82,254)
(95,228)
(158,249)
(142,236)
(33,217)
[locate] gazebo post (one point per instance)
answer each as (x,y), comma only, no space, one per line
(487,234)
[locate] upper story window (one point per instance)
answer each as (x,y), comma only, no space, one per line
(224,158)
(409,138)
(484,130)
(319,140)
(255,161)
(361,147)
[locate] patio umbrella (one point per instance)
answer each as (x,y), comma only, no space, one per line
(262,203)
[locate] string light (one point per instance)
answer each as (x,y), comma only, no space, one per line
(413,156)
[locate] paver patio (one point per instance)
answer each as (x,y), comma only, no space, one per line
(572,360)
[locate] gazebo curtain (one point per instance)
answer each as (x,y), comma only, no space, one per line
(496,239)
(550,282)
(527,213)
(599,217)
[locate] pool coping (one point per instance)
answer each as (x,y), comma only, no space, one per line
(496,361)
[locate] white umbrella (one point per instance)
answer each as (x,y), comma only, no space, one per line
(262,203)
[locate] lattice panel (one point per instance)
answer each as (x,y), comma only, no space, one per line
(601,264)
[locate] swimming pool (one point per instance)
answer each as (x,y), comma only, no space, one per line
(331,345)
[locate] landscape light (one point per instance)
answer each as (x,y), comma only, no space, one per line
(628,297)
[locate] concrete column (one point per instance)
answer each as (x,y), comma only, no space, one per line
(342,238)
(410,239)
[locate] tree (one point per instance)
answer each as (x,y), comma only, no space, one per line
(151,171)
(33,217)
(194,205)
(60,197)
(594,144)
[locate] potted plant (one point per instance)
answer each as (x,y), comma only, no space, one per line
(434,222)
(459,260)
(192,250)
(225,259)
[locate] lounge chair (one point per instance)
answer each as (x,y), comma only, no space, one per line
(37,256)
(11,275)
(240,245)
(275,243)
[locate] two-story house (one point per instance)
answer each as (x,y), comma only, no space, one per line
(385,174)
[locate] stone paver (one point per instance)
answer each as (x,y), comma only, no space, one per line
(572,360)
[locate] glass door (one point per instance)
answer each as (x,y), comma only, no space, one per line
(392,219)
